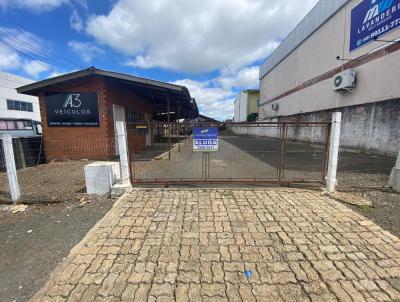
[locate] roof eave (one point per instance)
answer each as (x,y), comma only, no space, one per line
(31,89)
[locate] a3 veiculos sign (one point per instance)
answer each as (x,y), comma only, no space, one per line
(205,139)
(373,18)
(72,110)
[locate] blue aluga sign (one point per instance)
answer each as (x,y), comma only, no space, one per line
(373,18)
(205,139)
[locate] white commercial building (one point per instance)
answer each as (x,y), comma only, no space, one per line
(19,117)
(342,56)
(246,105)
(17,111)
(14,105)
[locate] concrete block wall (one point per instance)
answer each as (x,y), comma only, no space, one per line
(370,128)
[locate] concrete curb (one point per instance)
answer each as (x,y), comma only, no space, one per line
(174,149)
(350,199)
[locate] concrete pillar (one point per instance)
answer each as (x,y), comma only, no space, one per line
(333,152)
(10,166)
(394,180)
(123,151)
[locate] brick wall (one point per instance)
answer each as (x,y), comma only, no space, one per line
(120,94)
(96,142)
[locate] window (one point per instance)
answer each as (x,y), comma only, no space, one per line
(3,125)
(19,105)
(10,104)
(38,127)
(16,125)
(135,116)
(24,106)
(10,125)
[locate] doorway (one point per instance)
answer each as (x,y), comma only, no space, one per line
(119,116)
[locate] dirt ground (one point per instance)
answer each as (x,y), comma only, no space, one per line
(385,210)
(34,242)
(49,183)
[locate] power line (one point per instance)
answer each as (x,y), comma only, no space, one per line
(46,66)
(18,28)
(23,46)
(42,54)
(11,40)
(14,43)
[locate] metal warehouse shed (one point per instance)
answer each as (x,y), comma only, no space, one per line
(81,108)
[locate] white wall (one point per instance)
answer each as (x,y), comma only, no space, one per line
(376,80)
(241,107)
(8,83)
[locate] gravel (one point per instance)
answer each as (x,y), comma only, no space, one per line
(385,210)
(35,241)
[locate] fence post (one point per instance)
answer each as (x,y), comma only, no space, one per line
(333,152)
(123,152)
(394,180)
(10,166)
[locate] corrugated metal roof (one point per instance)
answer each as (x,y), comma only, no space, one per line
(315,18)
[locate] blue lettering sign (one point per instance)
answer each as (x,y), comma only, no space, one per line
(205,139)
(373,18)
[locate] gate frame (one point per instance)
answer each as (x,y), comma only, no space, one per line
(280,180)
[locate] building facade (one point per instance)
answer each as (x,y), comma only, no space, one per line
(246,105)
(14,105)
(79,111)
(344,55)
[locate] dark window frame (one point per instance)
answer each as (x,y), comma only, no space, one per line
(18,105)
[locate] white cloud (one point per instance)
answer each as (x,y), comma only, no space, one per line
(76,21)
(35,68)
(39,6)
(25,51)
(196,36)
(244,78)
(215,102)
(14,43)
(23,40)
(215,97)
(9,59)
(35,5)
(85,50)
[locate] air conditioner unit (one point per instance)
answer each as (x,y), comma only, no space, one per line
(275,106)
(345,80)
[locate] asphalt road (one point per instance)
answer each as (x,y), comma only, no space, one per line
(249,157)
(34,242)
(353,167)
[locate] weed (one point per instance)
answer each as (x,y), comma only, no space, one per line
(366,208)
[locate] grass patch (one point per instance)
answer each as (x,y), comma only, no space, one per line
(366,208)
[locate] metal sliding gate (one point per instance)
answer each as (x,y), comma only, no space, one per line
(259,152)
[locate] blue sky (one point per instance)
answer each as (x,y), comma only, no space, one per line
(213,47)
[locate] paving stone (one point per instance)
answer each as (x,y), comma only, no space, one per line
(192,245)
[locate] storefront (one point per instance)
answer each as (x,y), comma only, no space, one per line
(79,110)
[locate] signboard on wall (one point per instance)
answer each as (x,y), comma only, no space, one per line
(373,18)
(72,109)
(205,139)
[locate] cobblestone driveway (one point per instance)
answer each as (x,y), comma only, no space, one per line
(165,245)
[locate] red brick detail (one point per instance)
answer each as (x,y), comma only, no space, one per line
(96,142)
(351,64)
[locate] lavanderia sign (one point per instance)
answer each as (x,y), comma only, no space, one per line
(373,18)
